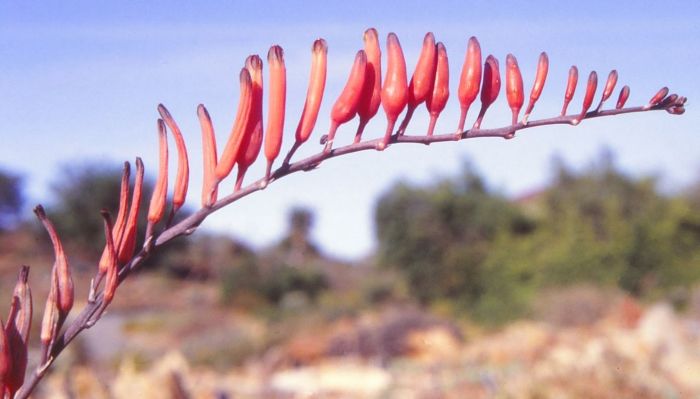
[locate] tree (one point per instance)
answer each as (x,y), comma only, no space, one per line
(440,237)
(11,199)
(606,227)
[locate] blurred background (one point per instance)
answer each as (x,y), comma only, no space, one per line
(564,263)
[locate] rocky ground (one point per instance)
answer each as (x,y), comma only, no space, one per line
(631,352)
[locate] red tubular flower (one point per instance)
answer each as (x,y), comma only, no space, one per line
(540,77)
(514,86)
(395,87)
(233,145)
(490,87)
(276,105)
(345,106)
(570,88)
(372,89)
(160,191)
(314,94)
(469,80)
(183,167)
(210,182)
(622,99)
(61,268)
(588,97)
(128,242)
(437,99)
(252,140)
(421,83)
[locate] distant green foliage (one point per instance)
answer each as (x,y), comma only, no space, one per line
(291,267)
(11,199)
(458,241)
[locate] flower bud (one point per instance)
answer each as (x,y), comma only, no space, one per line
(570,88)
(441,88)
(622,99)
(345,106)
(17,331)
(314,94)
(209,185)
(276,105)
(156,210)
(252,139)
(660,95)
(395,87)
(111,280)
(469,80)
(5,360)
(127,244)
(230,154)
(514,86)
(183,167)
(61,269)
(588,97)
(372,90)
(490,87)
(540,77)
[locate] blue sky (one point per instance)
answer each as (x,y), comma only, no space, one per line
(81,81)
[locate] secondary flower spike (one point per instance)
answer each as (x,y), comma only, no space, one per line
(314,94)
(276,106)
(395,87)
(469,80)
(514,86)
(210,183)
(183,167)
(570,88)
(608,89)
(437,99)
(233,145)
(345,106)
(490,87)
(156,208)
(372,88)
(421,83)
(540,78)
(252,140)
(588,97)
(624,95)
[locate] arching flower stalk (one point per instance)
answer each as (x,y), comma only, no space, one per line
(362,96)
